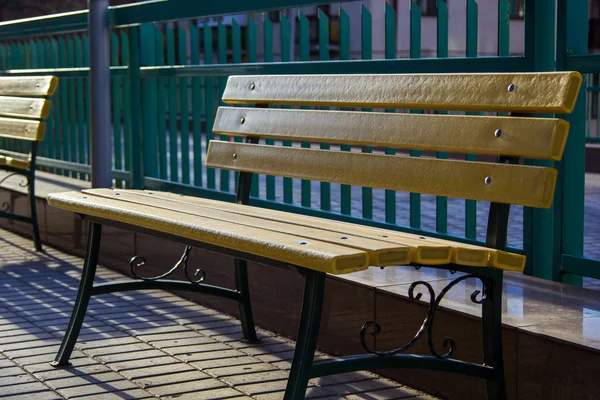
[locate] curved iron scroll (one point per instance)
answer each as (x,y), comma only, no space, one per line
(23,183)
(5,206)
(448,343)
(138,261)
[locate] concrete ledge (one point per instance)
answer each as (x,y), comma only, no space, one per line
(551,330)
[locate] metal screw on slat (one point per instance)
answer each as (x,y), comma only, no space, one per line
(242,120)
(511,87)
(488,180)
(234,156)
(422,237)
(302,243)
(384,236)
(498,133)
(343,237)
(252,86)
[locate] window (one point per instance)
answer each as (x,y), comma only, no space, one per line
(517,8)
(428,7)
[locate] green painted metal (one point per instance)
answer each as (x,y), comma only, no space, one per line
(64,107)
(127,123)
(197,84)
(182,41)
(574,267)
(572,40)
(323,23)
(72,100)
(88,110)
(209,99)
(304,32)
(268,56)
(366,33)
(286,44)
(161,105)
(390,53)
(252,43)
(346,190)
(81,109)
(236,57)
(222,59)
(172,105)
(135,109)
(503,27)
(584,63)
(415,52)
(149,102)
(116,106)
(472,29)
(441,202)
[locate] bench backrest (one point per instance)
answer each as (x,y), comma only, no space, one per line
(24,104)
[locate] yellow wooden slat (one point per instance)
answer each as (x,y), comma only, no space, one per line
(513,184)
(463,254)
(543,138)
(381,253)
(550,92)
(292,249)
(28,85)
(22,129)
(13,162)
(24,107)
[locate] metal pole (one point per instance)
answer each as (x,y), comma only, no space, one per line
(101,154)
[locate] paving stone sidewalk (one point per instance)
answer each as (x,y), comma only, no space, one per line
(138,345)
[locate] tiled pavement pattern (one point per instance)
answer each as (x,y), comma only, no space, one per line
(137,345)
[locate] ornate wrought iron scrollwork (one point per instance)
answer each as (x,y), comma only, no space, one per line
(23,183)
(373,328)
(138,261)
(5,206)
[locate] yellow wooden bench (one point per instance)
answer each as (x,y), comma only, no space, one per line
(314,246)
(24,104)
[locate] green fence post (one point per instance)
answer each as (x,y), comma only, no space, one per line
(304,30)
(415,52)
(324,55)
(441,206)
(390,53)
(539,225)
(137,162)
(366,32)
(572,39)
(471,47)
(149,102)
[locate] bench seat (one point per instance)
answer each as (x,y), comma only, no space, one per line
(13,162)
(315,243)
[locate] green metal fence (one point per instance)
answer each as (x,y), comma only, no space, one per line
(167,79)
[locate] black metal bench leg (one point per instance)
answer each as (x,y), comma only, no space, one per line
(83,296)
(34,218)
(308,333)
(492,336)
(244,305)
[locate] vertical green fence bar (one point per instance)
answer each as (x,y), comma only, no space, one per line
(415,52)
(324,55)
(252,43)
(503,27)
(51,128)
(304,32)
(236,55)
(539,224)
(222,59)
(172,104)
(87,108)
(366,36)
(288,188)
(209,99)
(441,202)
(41,63)
(149,101)
(196,105)
(127,137)
(346,190)
(472,41)
(268,49)
(390,53)
(135,108)
(182,41)
(116,105)
(64,106)
(72,104)
(81,104)
(573,40)
(161,106)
